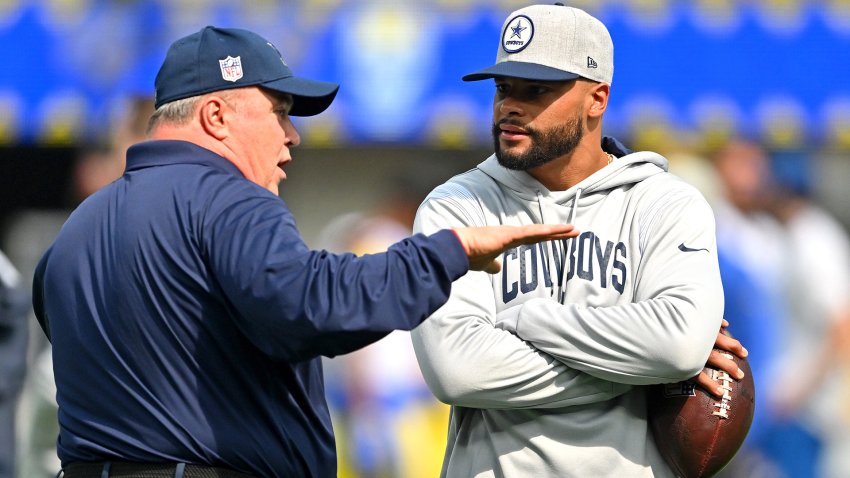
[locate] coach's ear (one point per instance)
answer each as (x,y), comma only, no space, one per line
(598,99)
(214,115)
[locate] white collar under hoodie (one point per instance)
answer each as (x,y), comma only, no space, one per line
(545,363)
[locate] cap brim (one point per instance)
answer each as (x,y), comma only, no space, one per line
(523,70)
(310,97)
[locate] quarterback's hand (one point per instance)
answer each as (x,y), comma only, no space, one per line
(484,244)
(717,360)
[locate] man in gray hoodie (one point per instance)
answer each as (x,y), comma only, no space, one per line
(545,364)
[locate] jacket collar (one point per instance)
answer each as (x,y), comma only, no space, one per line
(166,152)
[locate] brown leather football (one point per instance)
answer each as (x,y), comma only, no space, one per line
(696,433)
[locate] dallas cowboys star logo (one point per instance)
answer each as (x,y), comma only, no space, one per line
(517,30)
(517,34)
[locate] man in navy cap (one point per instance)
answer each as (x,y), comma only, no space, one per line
(186,314)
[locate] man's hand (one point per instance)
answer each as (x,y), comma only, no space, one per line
(718,361)
(484,244)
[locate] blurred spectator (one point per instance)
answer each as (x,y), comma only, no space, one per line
(100,166)
(14,305)
(751,256)
(785,266)
(817,353)
(387,421)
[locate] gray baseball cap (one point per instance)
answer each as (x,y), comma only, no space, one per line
(552,43)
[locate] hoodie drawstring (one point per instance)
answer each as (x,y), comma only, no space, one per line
(546,243)
(562,287)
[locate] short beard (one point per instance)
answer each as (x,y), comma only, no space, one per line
(545,145)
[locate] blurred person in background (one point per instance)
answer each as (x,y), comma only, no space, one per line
(785,266)
(816,354)
(99,166)
(750,250)
(14,333)
(390,425)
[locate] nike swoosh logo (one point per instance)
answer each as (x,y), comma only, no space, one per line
(684,248)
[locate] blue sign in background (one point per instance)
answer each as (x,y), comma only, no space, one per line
(688,65)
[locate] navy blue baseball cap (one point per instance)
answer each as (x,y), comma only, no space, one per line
(216,59)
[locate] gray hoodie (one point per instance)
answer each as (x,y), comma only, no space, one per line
(544,363)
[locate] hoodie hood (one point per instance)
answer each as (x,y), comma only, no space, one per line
(629,167)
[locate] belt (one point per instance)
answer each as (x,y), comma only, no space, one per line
(124,469)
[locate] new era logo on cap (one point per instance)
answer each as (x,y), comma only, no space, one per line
(552,43)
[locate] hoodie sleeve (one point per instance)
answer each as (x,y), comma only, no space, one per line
(667,331)
(468,362)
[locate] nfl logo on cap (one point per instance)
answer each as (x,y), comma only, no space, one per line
(211,60)
(231,68)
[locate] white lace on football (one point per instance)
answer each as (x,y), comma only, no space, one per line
(725,403)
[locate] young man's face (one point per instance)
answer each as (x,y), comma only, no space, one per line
(535,122)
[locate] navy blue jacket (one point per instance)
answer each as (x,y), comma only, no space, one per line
(187,318)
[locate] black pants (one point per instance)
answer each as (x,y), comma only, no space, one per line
(122,469)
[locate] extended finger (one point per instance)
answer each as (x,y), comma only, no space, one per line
(721,360)
(704,381)
(730,344)
(533,233)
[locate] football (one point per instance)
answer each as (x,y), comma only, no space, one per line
(697,433)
